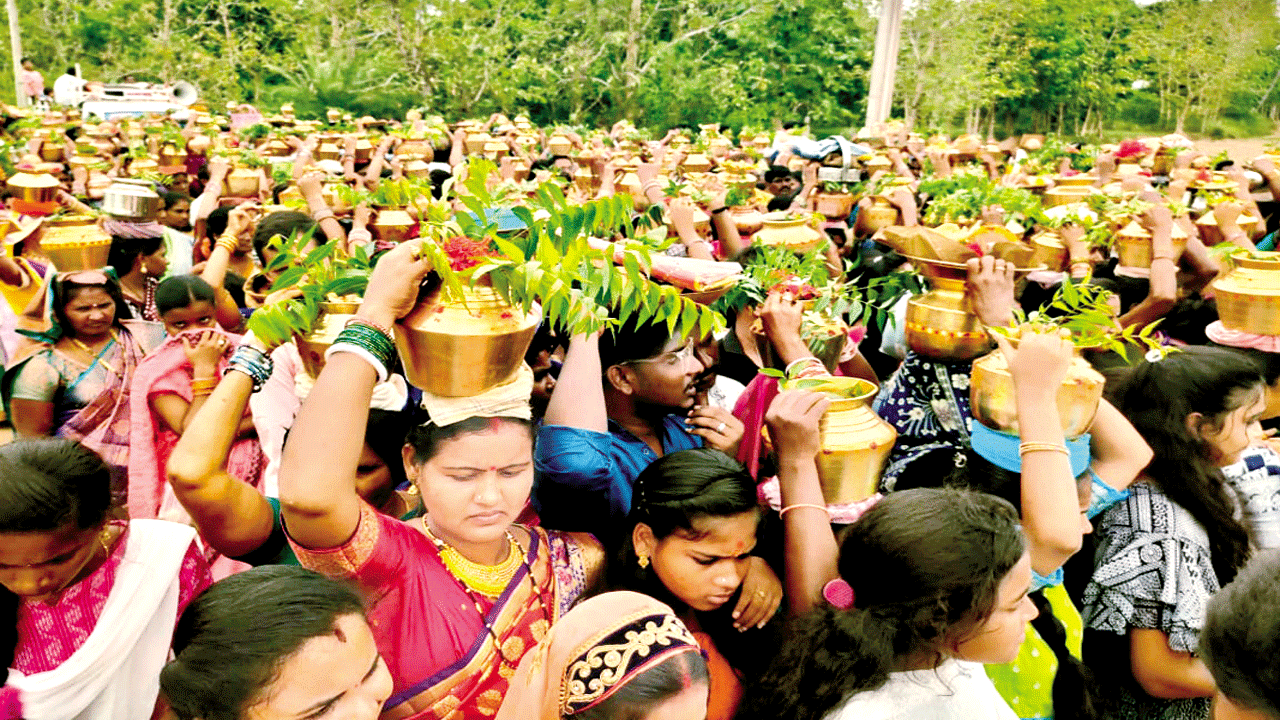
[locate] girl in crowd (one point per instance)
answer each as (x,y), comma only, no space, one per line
(275,643)
(232,515)
(75,381)
(139,263)
(692,533)
(170,386)
(463,592)
(658,672)
(924,587)
(1176,540)
(89,601)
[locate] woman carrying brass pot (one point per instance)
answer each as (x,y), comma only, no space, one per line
(464,592)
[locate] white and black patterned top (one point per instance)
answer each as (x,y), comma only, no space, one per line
(1152,569)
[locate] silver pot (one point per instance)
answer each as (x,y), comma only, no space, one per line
(131,199)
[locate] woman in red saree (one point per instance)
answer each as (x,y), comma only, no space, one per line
(458,596)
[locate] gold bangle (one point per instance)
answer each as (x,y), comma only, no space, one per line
(789,508)
(1029,447)
(230,243)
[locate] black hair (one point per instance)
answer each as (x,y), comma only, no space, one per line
(125,251)
(672,496)
(1158,397)
(182,291)
(776,173)
(385,434)
(71,70)
(64,289)
(925,566)
(1240,641)
(427,437)
(46,485)
(23,60)
(641,693)
(216,222)
(632,340)
(1075,691)
(172,198)
(283,223)
(230,642)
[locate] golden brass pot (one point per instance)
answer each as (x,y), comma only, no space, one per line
(75,243)
(880,215)
(991,395)
(476,141)
(458,350)
(1066,194)
(559,145)
(242,182)
(942,325)
(1080,180)
(855,441)
(1249,300)
(1133,245)
(364,150)
(696,162)
(33,187)
(834,206)
(1049,252)
(1257,260)
(312,347)
(795,233)
(328,151)
(392,225)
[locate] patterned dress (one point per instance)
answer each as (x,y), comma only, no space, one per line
(928,403)
(1152,570)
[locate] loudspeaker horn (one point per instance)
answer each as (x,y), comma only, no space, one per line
(184,93)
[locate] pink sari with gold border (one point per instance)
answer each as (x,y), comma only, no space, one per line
(441,656)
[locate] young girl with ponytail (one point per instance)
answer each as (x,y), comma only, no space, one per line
(1177,539)
(895,620)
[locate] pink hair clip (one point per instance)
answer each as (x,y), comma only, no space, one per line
(839,593)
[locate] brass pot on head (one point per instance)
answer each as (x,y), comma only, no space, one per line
(459,347)
(855,441)
(993,401)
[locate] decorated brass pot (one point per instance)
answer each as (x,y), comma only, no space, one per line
(462,347)
(834,206)
(794,232)
(476,142)
(75,242)
(855,441)
(312,347)
(941,323)
(364,150)
(1133,245)
(1257,260)
(696,162)
(1049,251)
(1249,300)
(994,404)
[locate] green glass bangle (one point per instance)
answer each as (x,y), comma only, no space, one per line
(377,344)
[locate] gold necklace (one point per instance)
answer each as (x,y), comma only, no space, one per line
(488,580)
(94,355)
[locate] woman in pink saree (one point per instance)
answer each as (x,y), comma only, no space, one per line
(73,381)
(88,603)
(460,595)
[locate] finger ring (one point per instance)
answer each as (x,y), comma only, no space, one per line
(760,593)
(720,427)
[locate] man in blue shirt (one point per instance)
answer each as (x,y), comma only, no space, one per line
(622,401)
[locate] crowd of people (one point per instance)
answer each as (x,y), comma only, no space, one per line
(200,519)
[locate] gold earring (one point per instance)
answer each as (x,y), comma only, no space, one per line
(642,561)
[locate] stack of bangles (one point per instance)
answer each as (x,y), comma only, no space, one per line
(1029,447)
(252,362)
(228,242)
(368,340)
(203,386)
(807,367)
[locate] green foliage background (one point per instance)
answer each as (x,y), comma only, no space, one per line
(1034,65)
